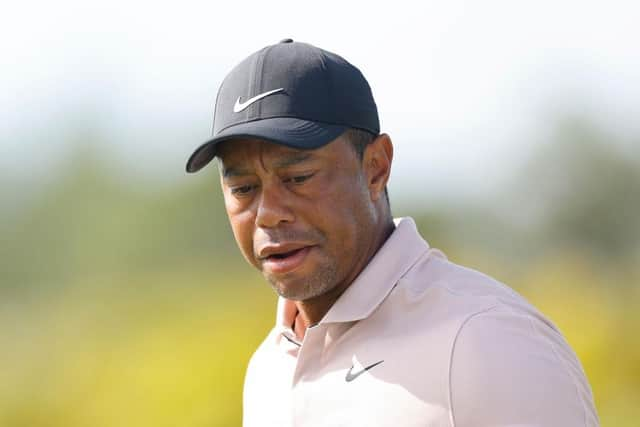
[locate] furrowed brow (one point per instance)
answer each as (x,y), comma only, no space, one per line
(294,159)
(234,171)
(288,160)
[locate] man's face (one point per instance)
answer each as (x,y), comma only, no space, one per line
(302,217)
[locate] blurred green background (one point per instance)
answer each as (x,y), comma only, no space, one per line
(123,298)
(125,304)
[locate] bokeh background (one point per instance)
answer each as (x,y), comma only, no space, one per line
(123,299)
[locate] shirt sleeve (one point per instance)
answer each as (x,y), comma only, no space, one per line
(511,368)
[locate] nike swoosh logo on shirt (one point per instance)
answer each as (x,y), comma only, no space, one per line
(239,106)
(350,377)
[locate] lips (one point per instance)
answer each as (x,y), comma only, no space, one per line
(283,258)
(284,254)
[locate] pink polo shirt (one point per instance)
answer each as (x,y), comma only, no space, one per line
(417,340)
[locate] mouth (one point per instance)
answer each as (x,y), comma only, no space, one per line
(284,255)
(283,262)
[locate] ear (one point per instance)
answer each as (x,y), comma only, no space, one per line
(377,163)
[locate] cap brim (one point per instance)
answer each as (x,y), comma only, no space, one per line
(289,131)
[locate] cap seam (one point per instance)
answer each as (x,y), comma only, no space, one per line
(257,83)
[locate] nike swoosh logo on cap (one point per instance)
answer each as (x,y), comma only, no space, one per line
(239,106)
(350,377)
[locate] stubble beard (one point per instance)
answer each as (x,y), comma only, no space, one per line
(321,281)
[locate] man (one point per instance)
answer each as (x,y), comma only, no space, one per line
(374,327)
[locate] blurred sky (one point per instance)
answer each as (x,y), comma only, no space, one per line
(464,88)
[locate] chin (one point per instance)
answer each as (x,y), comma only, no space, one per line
(304,283)
(298,290)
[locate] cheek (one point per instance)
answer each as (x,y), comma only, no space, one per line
(342,214)
(242,227)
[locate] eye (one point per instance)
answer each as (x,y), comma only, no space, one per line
(299,179)
(242,190)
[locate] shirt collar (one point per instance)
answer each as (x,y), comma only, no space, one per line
(396,256)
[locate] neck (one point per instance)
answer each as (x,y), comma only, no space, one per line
(312,310)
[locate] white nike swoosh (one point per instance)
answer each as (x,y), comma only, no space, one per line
(239,106)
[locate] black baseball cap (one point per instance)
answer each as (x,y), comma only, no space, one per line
(290,93)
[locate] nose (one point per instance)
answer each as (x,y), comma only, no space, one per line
(273,207)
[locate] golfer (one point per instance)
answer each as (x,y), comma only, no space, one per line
(374,327)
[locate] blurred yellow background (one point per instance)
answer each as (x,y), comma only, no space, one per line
(129,305)
(123,298)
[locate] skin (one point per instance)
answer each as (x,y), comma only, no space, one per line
(326,203)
